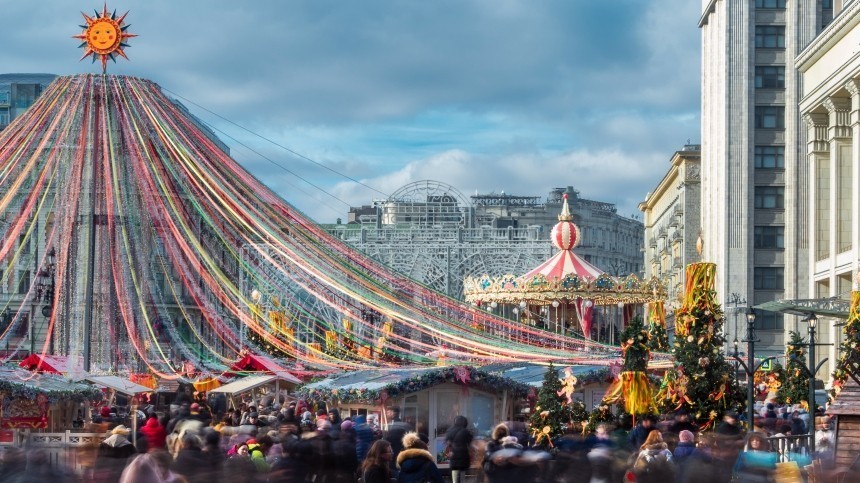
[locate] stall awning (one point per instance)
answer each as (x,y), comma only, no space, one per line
(245,384)
(118,384)
(48,363)
(263,365)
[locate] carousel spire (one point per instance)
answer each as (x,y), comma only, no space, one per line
(565,211)
(565,234)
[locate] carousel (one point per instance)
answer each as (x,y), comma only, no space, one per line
(568,295)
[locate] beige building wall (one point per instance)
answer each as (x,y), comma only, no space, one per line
(830,106)
(671,214)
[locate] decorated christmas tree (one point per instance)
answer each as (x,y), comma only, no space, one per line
(849,358)
(701,382)
(795,388)
(600,414)
(659,341)
(550,416)
(633,386)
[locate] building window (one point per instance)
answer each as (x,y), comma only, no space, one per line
(768,321)
(24,244)
(770,197)
(768,278)
(770,3)
(770,117)
(769,237)
(827,4)
(843,199)
(770,77)
(23,281)
(822,209)
(770,36)
(770,157)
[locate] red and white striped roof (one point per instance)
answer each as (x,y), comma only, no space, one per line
(563,263)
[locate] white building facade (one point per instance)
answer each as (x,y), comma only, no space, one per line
(830,105)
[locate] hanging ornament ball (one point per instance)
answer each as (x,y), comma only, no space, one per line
(588,304)
(523,304)
(555,303)
(494,304)
(704,361)
(565,235)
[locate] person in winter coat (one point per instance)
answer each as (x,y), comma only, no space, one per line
(756,462)
(376,466)
(345,460)
(154,432)
(190,462)
(364,437)
(654,461)
(113,454)
(416,463)
(459,439)
(686,446)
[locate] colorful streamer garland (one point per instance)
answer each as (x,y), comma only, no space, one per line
(184,237)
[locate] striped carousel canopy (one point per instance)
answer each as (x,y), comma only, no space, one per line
(563,263)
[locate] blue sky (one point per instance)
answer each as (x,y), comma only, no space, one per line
(486,95)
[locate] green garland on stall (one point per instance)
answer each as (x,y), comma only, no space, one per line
(13,389)
(477,378)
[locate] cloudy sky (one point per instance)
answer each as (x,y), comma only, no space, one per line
(517,96)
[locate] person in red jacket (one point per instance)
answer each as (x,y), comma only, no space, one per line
(154,432)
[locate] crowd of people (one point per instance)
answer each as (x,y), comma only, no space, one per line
(279,441)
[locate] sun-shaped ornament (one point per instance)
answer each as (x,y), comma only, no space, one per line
(104,36)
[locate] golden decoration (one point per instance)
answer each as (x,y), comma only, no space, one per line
(104,36)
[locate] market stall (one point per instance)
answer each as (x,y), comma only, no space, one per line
(428,398)
(40,401)
(258,386)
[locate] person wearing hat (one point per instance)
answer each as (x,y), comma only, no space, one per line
(113,453)
(729,426)
(343,447)
(416,463)
(682,423)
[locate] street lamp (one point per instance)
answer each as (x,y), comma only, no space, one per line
(812,320)
(752,367)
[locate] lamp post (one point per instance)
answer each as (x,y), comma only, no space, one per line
(751,340)
(749,369)
(812,320)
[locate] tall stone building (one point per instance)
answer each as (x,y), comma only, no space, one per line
(755,178)
(672,214)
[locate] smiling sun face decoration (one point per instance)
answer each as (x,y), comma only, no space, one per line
(104,36)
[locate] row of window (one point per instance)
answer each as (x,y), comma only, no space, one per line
(770,117)
(770,77)
(769,157)
(769,3)
(770,36)
(769,197)
(768,278)
(825,4)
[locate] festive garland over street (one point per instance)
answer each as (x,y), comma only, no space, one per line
(468,376)
(15,389)
(204,258)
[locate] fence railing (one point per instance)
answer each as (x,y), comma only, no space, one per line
(73,450)
(789,447)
